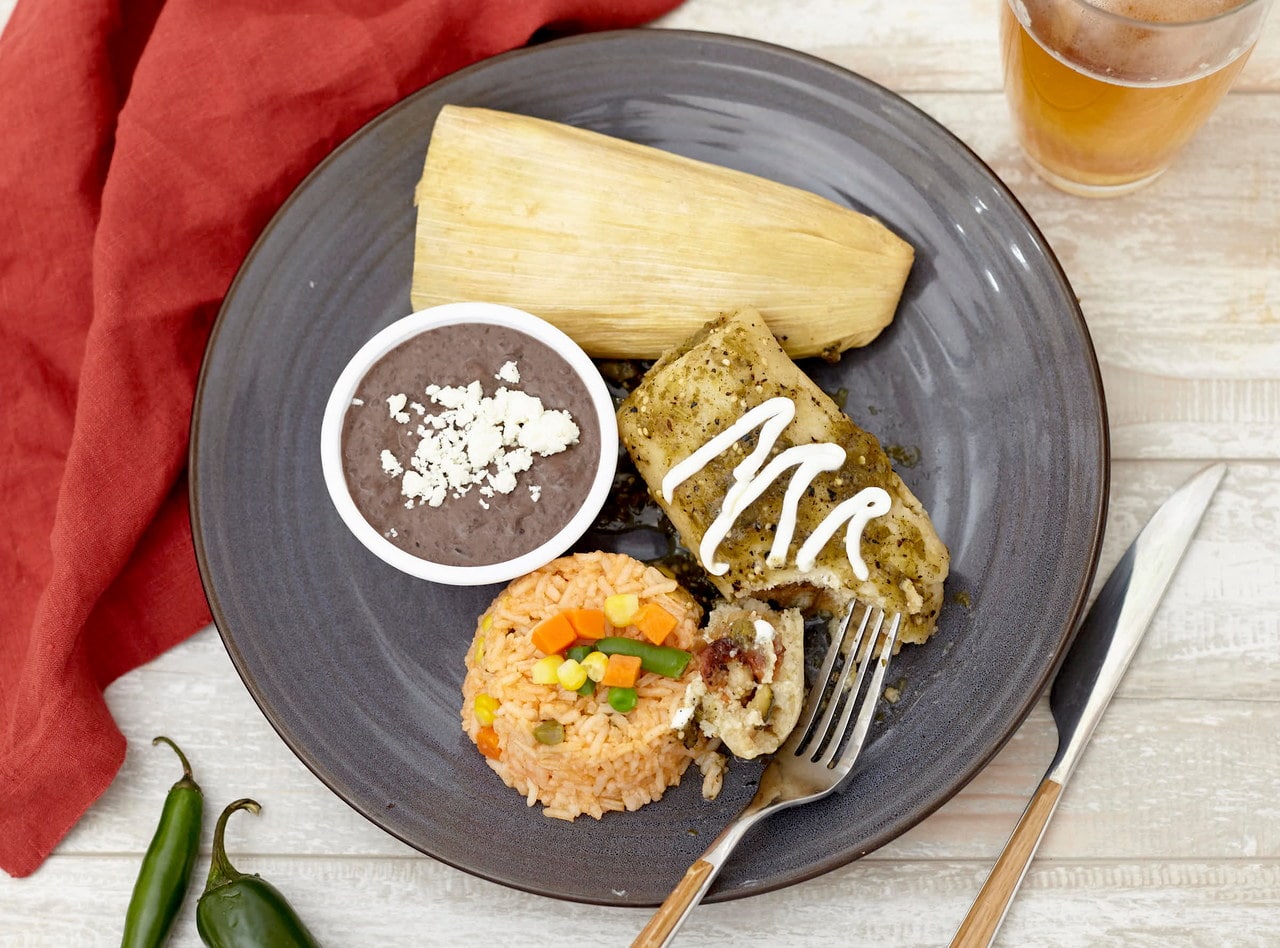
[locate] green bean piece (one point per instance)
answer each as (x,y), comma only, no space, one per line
(659,659)
(622,700)
(245,911)
(549,732)
(165,872)
(588,688)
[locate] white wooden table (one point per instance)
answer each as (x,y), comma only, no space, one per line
(1169,833)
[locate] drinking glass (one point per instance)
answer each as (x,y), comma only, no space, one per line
(1104,93)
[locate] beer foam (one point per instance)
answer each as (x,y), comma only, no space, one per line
(1127,42)
(1167,11)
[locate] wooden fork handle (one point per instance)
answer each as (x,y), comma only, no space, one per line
(989,908)
(673,909)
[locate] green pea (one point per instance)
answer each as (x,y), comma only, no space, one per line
(622,700)
(549,732)
(578,652)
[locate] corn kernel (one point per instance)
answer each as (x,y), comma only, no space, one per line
(620,608)
(485,707)
(479,657)
(595,663)
(571,675)
(544,669)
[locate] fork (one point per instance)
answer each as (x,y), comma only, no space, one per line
(815,759)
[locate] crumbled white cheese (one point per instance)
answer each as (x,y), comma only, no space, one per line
(535,491)
(504,482)
(484,442)
(476,440)
(390,465)
(357,402)
(554,429)
(395,407)
(412,485)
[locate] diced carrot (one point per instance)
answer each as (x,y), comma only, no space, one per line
(588,623)
(621,672)
(554,634)
(487,743)
(654,622)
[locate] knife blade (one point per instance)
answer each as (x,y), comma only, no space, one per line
(1104,644)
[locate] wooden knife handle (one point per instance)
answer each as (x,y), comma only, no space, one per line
(988,909)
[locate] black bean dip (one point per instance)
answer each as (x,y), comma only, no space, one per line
(483,526)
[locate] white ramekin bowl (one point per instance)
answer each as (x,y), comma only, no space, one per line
(448,315)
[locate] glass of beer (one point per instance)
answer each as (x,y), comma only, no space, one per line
(1104,93)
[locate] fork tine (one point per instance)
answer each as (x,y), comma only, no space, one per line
(850,693)
(824,736)
(813,700)
(812,737)
(870,700)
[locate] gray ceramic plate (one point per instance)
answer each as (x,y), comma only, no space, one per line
(987,375)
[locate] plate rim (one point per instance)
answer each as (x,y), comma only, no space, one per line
(1103,471)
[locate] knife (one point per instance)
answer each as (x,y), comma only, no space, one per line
(1093,667)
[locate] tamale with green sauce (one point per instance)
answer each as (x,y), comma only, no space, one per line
(629,249)
(701,388)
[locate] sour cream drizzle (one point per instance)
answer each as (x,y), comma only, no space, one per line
(750,482)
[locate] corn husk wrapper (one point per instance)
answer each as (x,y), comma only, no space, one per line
(629,249)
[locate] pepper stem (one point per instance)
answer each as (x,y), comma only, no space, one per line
(221,872)
(187,779)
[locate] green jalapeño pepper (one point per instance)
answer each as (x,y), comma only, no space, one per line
(166,867)
(245,911)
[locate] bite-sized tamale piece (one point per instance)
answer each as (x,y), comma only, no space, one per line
(749,685)
(698,394)
(629,249)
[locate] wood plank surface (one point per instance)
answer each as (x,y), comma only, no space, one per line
(1168,833)
(917,904)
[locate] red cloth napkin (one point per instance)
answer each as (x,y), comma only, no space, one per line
(143,146)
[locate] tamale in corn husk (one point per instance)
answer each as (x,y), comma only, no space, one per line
(629,249)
